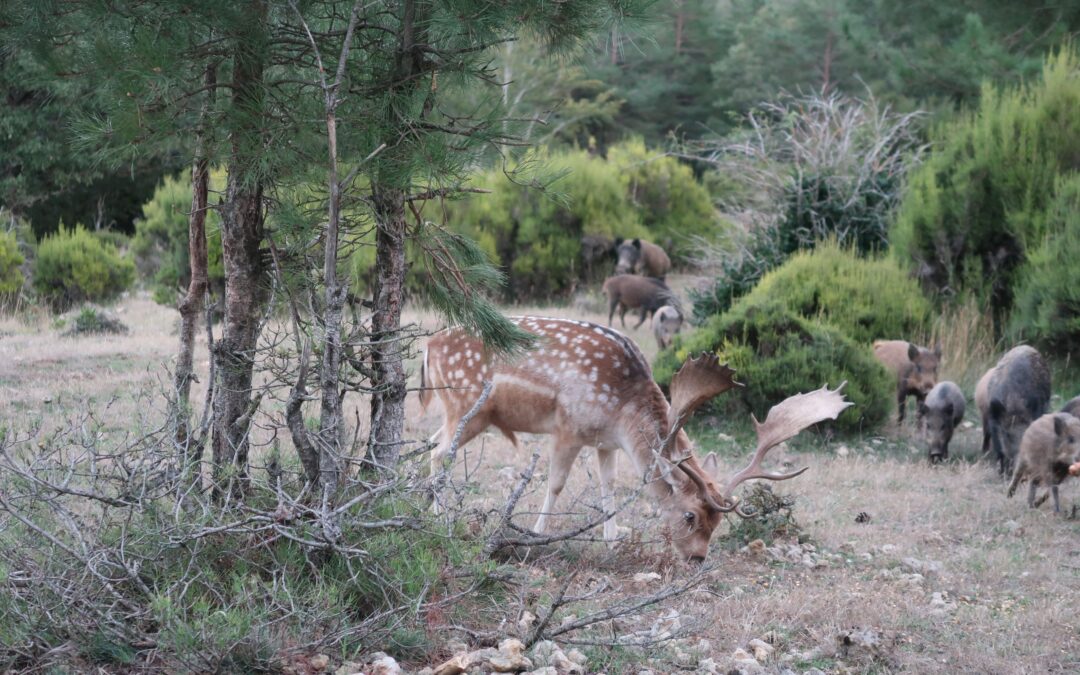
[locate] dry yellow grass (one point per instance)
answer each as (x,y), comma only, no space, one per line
(1005,577)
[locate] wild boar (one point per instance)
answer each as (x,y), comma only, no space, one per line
(629,291)
(915,367)
(1019,393)
(1050,447)
(1072,407)
(982,402)
(941,413)
(641,257)
(666,323)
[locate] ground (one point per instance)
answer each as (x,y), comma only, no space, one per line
(902,566)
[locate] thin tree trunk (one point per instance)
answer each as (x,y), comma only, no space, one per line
(388,399)
(680,24)
(241,238)
(192,304)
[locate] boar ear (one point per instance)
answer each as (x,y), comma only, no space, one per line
(912,352)
(923,409)
(948,410)
(937,349)
(1060,427)
(619,241)
(637,243)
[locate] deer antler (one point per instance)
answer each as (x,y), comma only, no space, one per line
(785,420)
(699,380)
(706,493)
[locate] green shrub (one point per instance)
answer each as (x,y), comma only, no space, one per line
(160,244)
(11,274)
(738,273)
(1047,309)
(73,266)
(865,298)
(978,207)
(777,354)
(535,235)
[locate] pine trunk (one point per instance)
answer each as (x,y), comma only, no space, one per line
(388,400)
(241,239)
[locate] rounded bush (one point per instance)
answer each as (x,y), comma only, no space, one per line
(1047,308)
(74,266)
(777,354)
(865,298)
(978,206)
(11,274)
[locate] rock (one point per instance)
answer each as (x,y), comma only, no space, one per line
(526,621)
(708,666)
(913,579)
(940,604)
(381,664)
(319,662)
(924,567)
(546,670)
(724,437)
(745,662)
(456,647)
(577,656)
(842,451)
(455,666)
(666,625)
(761,649)
(543,652)
(889,548)
(813,671)
(353,668)
(757,547)
(646,577)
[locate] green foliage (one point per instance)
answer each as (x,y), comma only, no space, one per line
(91,320)
(1047,309)
(867,299)
(777,354)
(773,518)
(160,244)
(535,234)
(74,266)
(11,274)
(982,202)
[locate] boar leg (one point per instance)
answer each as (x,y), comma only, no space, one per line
(1018,477)
(622,314)
(644,312)
(1057,504)
(1031,493)
(612,304)
(901,402)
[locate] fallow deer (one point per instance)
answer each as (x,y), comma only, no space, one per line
(587,384)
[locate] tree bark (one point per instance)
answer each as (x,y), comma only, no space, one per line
(192,303)
(388,400)
(241,239)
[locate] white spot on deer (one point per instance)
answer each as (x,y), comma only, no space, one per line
(599,356)
(593,374)
(446,349)
(605,386)
(468,353)
(603,397)
(459,374)
(586,362)
(562,339)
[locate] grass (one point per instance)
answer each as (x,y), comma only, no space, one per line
(1012,572)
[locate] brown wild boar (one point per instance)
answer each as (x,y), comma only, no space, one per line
(641,257)
(941,413)
(982,403)
(915,367)
(1019,393)
(1050,447)
(629,291)
(666,323)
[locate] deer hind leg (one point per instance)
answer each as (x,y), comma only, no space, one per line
(607,458)
(563,454)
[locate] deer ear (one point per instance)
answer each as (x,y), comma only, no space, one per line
(711,464)
(670,474)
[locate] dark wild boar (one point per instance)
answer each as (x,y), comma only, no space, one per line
(641,257)
(1019,393)
(982,403)
(915,367)
(629,291)
(1072,407)
(666,323)
(941,413)
(1051,445)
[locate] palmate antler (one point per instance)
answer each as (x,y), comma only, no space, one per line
(785,420)
(699,380)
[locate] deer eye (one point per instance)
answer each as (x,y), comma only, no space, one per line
(688,516)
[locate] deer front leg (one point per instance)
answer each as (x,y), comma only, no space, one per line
(563,454)
(607,459)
